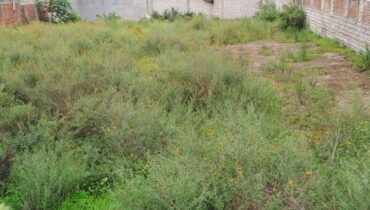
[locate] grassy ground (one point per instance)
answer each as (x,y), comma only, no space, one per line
(160,115)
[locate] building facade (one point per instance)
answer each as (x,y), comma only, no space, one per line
(17,11)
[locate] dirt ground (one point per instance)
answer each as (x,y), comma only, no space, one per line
(336,72)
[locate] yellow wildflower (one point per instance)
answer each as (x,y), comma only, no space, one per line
(178,151)
(308,173)
(290,183)
(146,166)
(211,133)
(239,170)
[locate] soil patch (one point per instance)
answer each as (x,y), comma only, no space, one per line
(337,73)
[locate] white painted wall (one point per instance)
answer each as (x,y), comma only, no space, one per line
(136,9)
(128,9)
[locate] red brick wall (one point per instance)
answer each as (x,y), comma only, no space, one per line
(353,11)
(317,4)
(367,14)
(307,3)
(29,12)
(20,14)
(1,16)
(338,8)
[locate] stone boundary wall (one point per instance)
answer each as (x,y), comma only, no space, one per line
(347,21)
(17,12)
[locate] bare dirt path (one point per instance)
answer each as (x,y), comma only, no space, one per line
(336,72)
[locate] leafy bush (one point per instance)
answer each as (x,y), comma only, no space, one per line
(108,17)
(82,200)
(267,11)
(43,179)
(364,63)
(292,16)
(208,171)
(157,115)
(61,11)
(170,15)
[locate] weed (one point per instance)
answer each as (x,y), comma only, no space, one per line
(267,11)
(364,64)
(42,180)
(155,115)
(265,51)
(108,17)
(292,16)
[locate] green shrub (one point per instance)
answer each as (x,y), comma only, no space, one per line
(61,11)
(156,15)
(205,83)
(300,56)
(170,15)
(17,117)
(160,114)
(43,179)
(267,11)
(108,17)
(292,17)
(200,23)
(156,44)
(215,170)
(82,200)
(344,154)
(364,63)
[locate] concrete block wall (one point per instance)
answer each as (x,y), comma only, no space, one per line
(136,9)
(224,9)
(17,12)
(347,21)
(128,9)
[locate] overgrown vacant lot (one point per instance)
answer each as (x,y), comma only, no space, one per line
(191,114)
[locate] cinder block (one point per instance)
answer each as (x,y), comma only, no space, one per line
(346,30)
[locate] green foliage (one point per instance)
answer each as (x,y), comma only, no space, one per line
(43,179)
(158,115)
(61,11)
(300,56)
(170,15)
(364,64)
(108,17)
(344,153)
(292,17)
(82,200)
(215,170)
(267,11)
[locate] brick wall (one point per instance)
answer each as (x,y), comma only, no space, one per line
(20,11)
(347,21)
